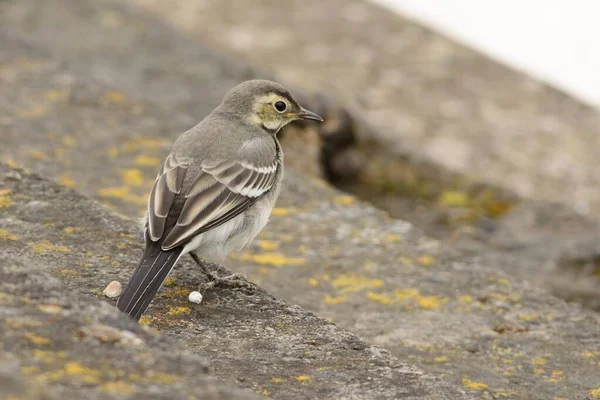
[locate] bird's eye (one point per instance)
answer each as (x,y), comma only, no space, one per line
(280,106)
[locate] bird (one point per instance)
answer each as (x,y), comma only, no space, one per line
(216,188)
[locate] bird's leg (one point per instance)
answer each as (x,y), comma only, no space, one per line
(233,280)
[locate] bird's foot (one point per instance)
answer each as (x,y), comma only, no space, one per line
(233,280)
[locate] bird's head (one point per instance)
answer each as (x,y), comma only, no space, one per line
(266,104)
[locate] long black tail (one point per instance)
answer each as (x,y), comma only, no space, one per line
(148,277)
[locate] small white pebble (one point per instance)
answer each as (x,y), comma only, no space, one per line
(195,297)
(114,289)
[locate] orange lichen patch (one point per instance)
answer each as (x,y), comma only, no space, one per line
(473,384)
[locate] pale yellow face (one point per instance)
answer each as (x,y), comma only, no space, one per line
(273,112)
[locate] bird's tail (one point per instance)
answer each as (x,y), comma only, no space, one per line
(148,277)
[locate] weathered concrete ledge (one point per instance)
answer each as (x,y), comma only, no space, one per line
(250,338)
(59,344)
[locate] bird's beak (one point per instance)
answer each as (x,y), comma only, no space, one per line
(305,114)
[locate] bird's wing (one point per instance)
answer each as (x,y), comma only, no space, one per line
(220,191)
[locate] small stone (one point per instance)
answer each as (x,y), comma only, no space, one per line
(114,289)
(195,297)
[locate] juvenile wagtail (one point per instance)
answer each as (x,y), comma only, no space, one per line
(216,189)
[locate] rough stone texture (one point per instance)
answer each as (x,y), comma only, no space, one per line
(58,344)
(263,344)
(423,94)
(460,318)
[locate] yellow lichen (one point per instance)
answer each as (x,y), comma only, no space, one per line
(465,299)
(402,294)
(117,387)
(179,311)
(594,393)
(428,301)
(163,377)
(4,234)
(263,392)
(145,320)
(473,384)
(278,211)
(380,297)
(123,193)
(49,308)
(302,378)
(313,282)
(132,176)
(441,359)
(37,339)
(528,317)
(425,260)
(538,361)
(274,259)
(147,160)
(44,246)
(71,229)
(348,283)
(344,200)
(66,180)
(334,299)
(4,199)
(268,244)
(113,96)
(277,380)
